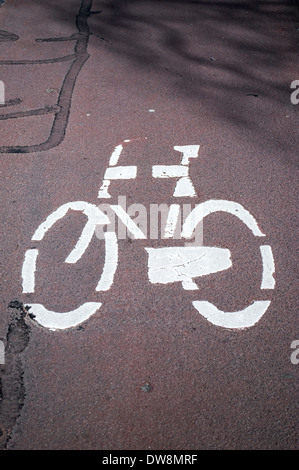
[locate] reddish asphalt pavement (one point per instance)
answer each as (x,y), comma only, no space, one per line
(96,95)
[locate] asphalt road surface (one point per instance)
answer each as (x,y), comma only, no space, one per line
(149,194)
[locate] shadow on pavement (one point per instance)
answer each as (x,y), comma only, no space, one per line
(235,58)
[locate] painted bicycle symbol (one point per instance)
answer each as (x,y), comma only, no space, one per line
(166,265)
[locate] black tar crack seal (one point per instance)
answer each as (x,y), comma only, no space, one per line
(62,109)
(12,389)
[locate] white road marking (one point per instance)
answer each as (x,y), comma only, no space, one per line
(247,317)
(121,173)
(116,173)
(115,155)
(128,222)
(171,222)
(182,264)
(83,242)
(208,207)
(61,321)
(88,209)
(28,271)
(184,188)
(103,191)
(165,265)
(188,151)
(111,261)
(169,171)
(95,217)
(268,281)
(114,158)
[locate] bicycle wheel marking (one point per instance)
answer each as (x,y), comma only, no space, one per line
(268,281)
(250,315)
(28,271)
(165,265)
(219,205)
(245,318)
(61,321)
(94,215)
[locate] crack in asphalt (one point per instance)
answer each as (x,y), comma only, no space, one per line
(12,387)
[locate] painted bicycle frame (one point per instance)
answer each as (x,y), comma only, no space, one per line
(165,264)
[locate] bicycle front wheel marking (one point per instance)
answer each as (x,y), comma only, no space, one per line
(63,320)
